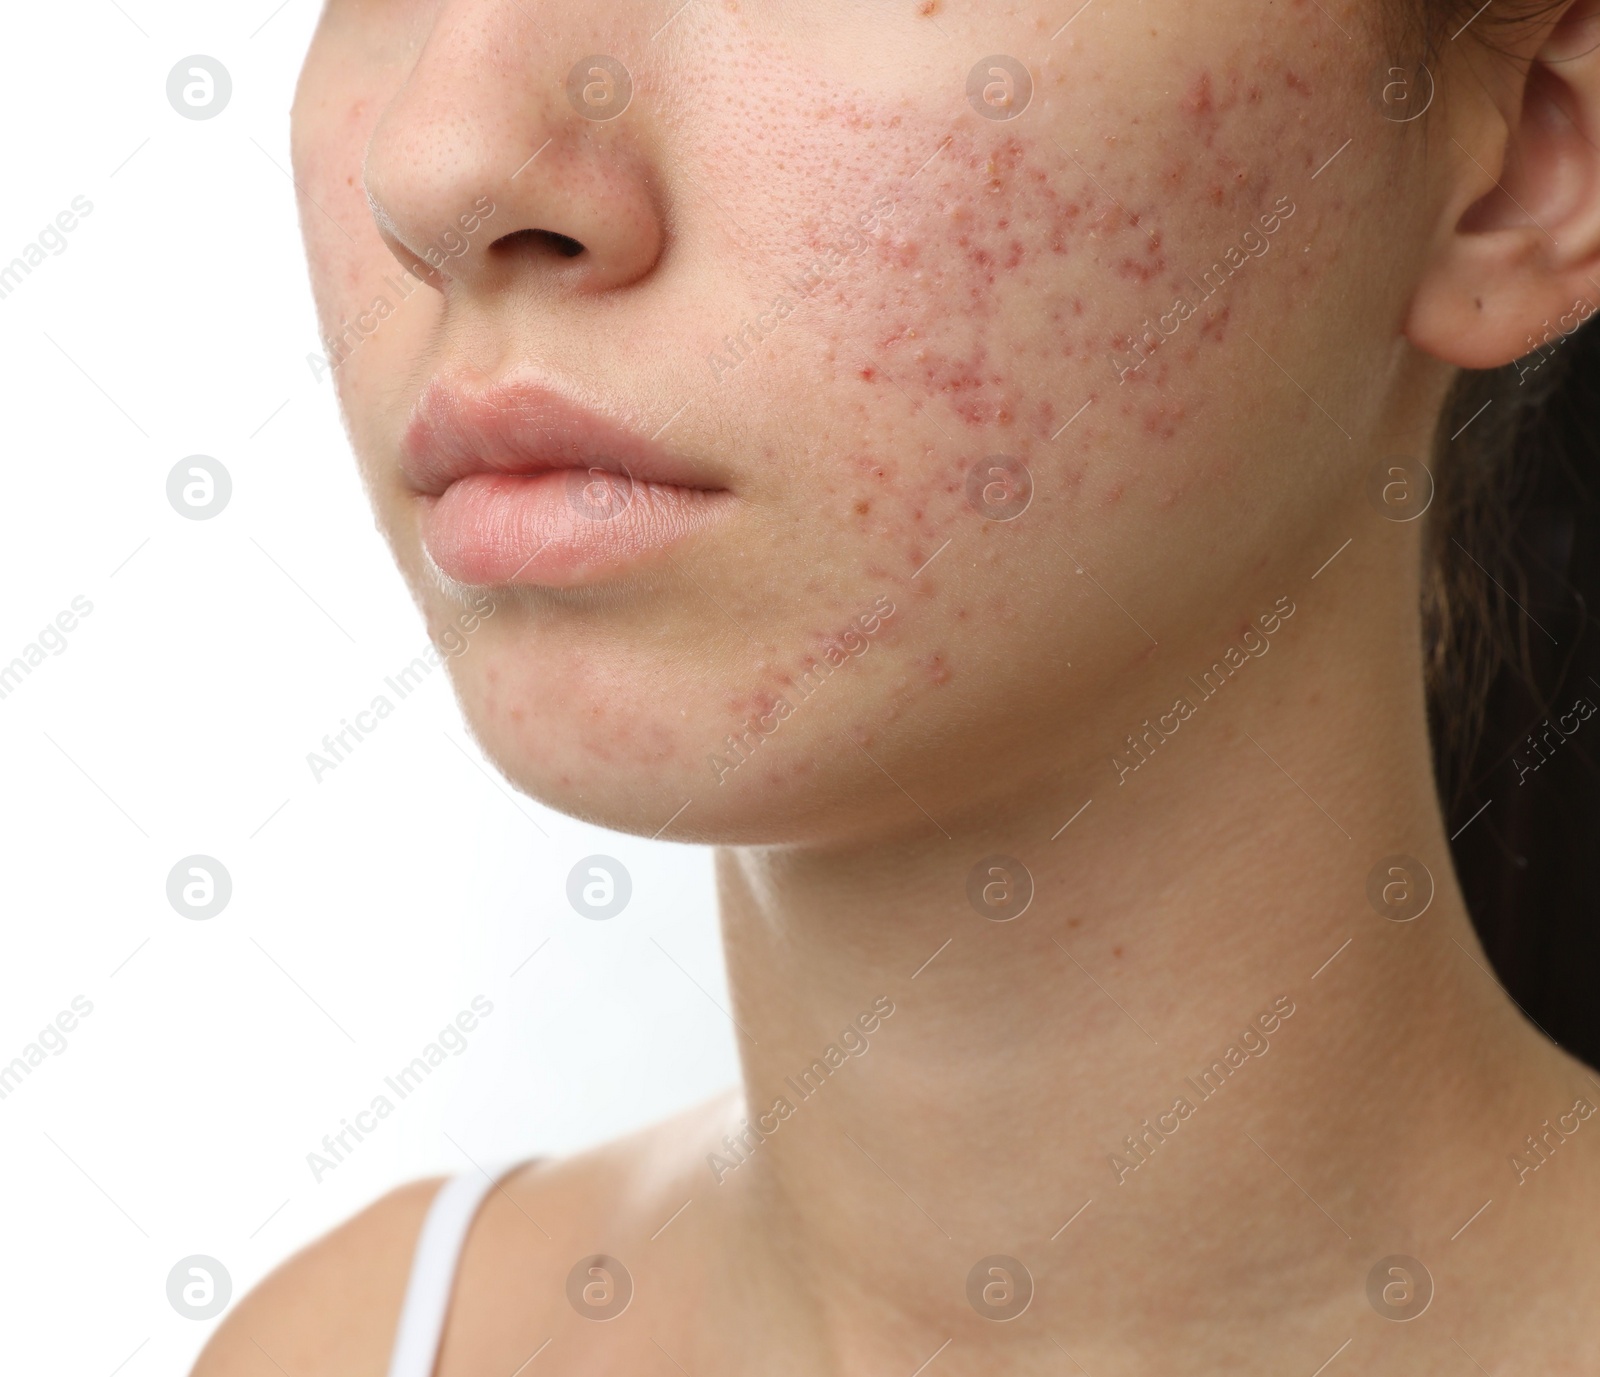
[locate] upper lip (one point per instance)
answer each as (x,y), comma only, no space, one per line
(522,425)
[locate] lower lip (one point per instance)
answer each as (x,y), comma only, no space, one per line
(561,528)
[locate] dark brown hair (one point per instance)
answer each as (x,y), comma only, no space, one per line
(1510,596)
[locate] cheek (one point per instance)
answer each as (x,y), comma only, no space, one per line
(1069,291)
(356,281)
(1074,294)
(373,316)
(331,126)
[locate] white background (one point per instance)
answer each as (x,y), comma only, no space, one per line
(367,909)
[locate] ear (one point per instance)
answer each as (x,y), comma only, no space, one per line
(1517,262)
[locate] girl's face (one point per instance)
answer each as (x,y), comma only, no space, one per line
(920,371)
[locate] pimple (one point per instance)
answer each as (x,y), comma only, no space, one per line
(1163,419)
(1215,327)
(1198,103)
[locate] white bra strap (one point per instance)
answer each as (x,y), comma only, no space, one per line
(433,1272)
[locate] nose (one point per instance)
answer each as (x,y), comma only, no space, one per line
(510,156)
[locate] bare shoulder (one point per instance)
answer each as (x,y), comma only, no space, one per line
(331,1309)
(603,1212)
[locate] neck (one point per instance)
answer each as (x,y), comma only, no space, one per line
(1200,1056)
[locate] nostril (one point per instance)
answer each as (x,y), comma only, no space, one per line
(538,241)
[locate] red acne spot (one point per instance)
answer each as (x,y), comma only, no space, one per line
(1135,270)
(1216,327)
(1111,219)
(868,373)
(1003,163)
(1162,420)
(904,254)
(1116,951)
(1198,101)
(1296,83)
(1205,106)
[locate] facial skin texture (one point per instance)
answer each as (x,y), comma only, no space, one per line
(1005,265)
(1214,495)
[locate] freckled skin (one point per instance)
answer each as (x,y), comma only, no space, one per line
(959,287)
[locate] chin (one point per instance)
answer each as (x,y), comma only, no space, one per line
(660,737)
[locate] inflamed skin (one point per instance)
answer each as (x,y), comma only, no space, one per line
(1075,333)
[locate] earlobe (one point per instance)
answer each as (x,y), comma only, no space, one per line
(1524,255)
